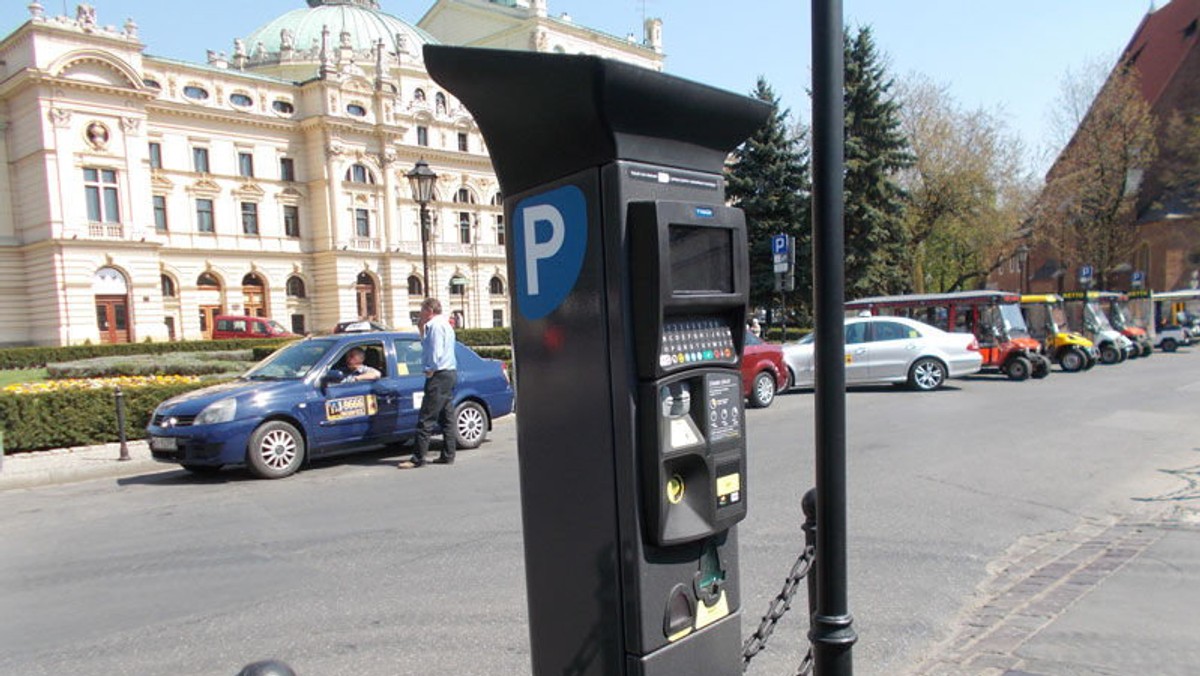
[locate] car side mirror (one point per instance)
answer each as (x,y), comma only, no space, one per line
(333,377)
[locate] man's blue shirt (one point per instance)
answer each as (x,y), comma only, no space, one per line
(438,345)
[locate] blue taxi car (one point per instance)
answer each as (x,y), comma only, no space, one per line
(297,405)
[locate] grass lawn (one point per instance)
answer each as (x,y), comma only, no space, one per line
(21,376)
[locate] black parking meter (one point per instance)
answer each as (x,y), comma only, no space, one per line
(629,281)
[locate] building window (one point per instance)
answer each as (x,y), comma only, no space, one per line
(195,93)
(362,223)
(246,165)
(464,227)
(295,287)
(155,155)
(464,196)
(241,100)
(458,286)
(415,287)
(287,169)
(419,95)
(358,173)
(291,220)
(204,216)
(497,318)
(200,160)
(168,287)
(414,318)
(496,286)
(422,136)
(207,281)
(462,142)
(160,213)
(500,230)
(439,102)
(250,218)
(100,190)
(356,110)
(298,324)
(283,107)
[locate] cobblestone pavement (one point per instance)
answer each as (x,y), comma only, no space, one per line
(1039,581)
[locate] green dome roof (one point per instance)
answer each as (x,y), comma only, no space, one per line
(362,19)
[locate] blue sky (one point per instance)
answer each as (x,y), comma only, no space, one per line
(1009,57)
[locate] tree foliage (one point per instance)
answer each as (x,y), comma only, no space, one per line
(877,251)
(1086,212)
(768,178)
(968,192)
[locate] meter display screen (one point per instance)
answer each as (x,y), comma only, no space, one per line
(701,259)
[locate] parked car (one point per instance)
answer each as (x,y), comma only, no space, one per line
(763,371)
(227,327)
(891,350)
(297,405)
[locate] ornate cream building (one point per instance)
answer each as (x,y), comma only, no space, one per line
(141,196)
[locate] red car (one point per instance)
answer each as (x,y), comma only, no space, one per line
(763,371)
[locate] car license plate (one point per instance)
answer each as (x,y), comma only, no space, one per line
(162,443)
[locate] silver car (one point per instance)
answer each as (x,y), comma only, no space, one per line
(891,350)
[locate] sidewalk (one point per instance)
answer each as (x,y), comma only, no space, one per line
(1115,599)
(28,470)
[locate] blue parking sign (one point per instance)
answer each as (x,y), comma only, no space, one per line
(779,244)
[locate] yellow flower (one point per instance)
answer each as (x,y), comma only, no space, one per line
(97,383)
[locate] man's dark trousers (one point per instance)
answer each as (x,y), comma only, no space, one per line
(436,408)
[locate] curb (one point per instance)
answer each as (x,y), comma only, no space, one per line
(69,465)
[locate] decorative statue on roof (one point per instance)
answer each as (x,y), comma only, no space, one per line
(287,40)
(85,15)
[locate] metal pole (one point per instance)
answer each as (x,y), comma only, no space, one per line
(119,396)
(832,633)
(425,248)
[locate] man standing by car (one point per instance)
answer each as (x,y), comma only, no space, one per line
(441,374)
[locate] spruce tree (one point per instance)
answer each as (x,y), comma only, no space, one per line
(877,253)
(768,178)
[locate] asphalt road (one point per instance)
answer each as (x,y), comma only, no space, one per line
(355,568)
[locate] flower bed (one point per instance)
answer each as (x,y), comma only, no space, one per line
(124,382)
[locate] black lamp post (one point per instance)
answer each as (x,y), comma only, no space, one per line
(1023,263)
(422,180)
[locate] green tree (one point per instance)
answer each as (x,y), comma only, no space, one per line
(968,193)
(877,253)
(1085,214)
(768,178)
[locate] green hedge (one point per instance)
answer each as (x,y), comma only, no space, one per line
(473,337)
(181,364)
(36,357)
(66,418)
(775,334)
(501,352)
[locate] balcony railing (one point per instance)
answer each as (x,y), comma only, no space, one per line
(364,243)
(106,230)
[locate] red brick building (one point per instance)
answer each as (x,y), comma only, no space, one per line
(1165,50)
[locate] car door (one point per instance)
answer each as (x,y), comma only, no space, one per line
(410,382)
(357,413)
(893,347)
(858,352)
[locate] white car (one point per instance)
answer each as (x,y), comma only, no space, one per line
(891,350)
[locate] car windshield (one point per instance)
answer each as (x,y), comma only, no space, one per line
(276,327)
(291,362)
(1014,323)
(1096,319)
(1116,314)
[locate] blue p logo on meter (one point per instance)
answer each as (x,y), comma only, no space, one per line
(550,239)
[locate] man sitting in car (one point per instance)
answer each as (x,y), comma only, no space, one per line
(356,370)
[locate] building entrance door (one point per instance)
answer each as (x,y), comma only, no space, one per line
(207,313)
(112,318)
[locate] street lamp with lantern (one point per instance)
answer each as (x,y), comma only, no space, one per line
(1023,263)
(422,179)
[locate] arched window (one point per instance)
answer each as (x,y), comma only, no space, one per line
(358,173)
(496,286)
(458,285)
(419,95)
(168,287)
(497,200)
(415,287)
(464,196)
(295,287)
(209,281)
(440,102)
(364,288)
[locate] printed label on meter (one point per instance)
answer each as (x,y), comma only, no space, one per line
(724,408)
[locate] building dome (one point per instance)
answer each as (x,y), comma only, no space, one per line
(358,24)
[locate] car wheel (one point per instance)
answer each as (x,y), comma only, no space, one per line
(1072,360)
(1041,366)
(927,374)
(203,470)
(1018,368)
(276,450)
(1169,345)
(763,391)
(470,424)
(1147,350)
(1109,354)
(791,383)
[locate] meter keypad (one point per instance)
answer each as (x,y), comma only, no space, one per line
(696,341)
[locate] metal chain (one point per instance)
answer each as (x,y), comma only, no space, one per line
(779,606)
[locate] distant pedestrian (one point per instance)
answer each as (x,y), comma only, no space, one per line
(755,327)
(441,374)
